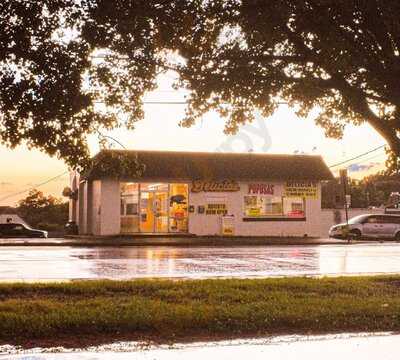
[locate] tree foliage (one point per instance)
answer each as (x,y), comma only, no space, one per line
(47,212)
(41,97)
(60,58)
(374,190)
(337,56)
(116,164)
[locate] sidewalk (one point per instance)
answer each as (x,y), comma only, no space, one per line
(85,241)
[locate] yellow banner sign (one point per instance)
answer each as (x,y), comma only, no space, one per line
(301,189)
(254,212)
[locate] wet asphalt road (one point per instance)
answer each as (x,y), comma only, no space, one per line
(64,263)
(358,347)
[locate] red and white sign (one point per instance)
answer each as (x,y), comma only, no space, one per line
(261,189)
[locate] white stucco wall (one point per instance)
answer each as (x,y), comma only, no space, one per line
(96,208)
(110,217)
(202,224)
(103,204)
(83,208)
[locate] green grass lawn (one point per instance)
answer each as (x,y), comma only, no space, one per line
(187,310)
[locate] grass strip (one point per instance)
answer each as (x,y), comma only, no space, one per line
(166,310)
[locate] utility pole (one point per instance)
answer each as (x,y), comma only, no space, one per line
(343,181)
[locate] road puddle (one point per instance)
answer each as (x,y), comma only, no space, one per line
(68,263)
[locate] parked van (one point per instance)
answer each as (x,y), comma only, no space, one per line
(369,226)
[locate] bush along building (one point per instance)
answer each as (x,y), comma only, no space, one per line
(154,192)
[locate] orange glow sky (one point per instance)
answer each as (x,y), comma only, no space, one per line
(22,169)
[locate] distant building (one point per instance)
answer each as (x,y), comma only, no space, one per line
(10,214)
(201,194)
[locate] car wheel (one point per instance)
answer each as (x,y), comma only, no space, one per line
(397,236)
(355,234)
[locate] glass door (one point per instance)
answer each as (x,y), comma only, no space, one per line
(146,211)
(154,211)
(160,209)
(163,207)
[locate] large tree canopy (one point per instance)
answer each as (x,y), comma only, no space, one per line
(41,101)
(52,81)
(340,57)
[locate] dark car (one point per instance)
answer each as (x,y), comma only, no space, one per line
(15,230)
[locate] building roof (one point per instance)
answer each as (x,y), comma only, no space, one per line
(173,165)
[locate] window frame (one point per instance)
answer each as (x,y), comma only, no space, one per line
(273,217)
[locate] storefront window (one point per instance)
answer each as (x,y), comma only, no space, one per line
(154,207)
(158,187)
(129,207)
(293,207)
(273,206)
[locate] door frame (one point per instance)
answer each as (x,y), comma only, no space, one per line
(167,190)
(155,217)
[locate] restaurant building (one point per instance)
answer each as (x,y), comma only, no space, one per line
(200,194)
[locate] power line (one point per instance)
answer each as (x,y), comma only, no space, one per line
(34,187)
(165,102)
(151,102)
(146,102)
(367,159)
(371,158)
(112,138)
(357,157)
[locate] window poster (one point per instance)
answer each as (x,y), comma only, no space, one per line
(216,209)
(228,225)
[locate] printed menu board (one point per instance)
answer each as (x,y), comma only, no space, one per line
(301,189)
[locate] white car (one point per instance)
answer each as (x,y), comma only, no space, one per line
(369,226)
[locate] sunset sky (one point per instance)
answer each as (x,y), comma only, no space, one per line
(284,132)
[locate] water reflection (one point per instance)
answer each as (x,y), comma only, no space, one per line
(329,347)
(29,263)
(359,259)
